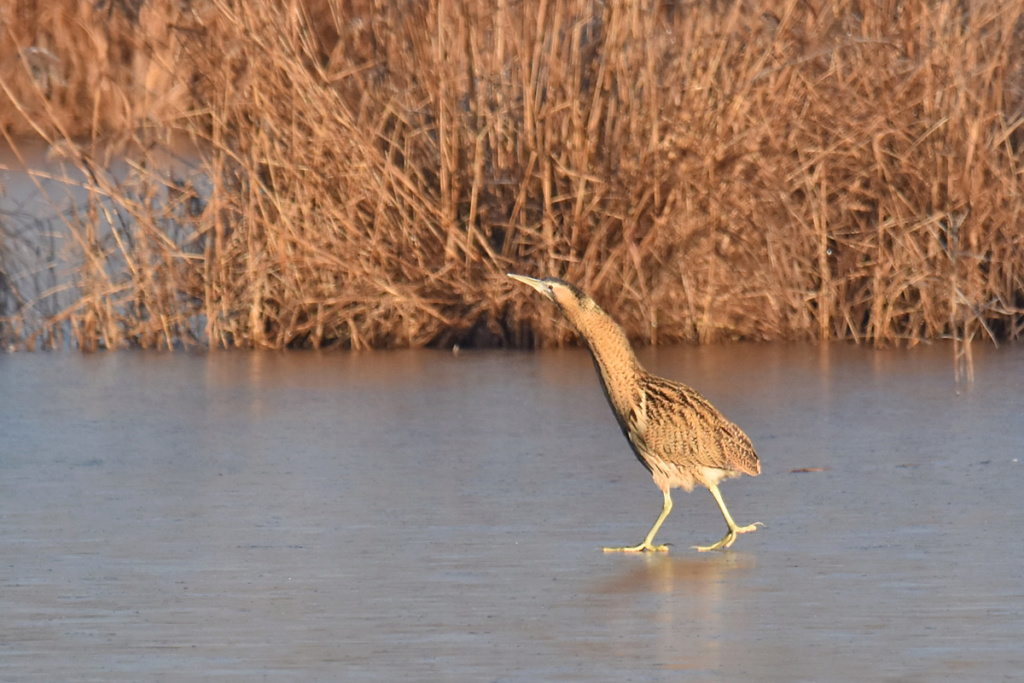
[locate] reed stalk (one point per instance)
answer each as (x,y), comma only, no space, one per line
(366,172)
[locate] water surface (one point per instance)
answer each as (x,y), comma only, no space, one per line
(424,516)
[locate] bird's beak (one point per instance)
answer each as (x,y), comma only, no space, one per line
(539,285)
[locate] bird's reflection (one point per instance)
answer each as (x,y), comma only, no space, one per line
(672,608)
(664,573)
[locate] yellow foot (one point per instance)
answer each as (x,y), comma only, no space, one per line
(730,537)
(639,549)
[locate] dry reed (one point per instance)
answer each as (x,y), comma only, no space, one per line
(370,170)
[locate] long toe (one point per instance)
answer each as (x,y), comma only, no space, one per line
(729,539)
(638,549)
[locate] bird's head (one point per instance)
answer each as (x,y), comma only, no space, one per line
(567,296)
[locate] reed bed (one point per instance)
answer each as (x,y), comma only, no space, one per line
(367,172)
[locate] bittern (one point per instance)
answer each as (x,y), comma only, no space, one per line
(675,432)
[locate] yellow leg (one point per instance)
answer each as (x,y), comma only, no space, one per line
(646,545)
(734,530)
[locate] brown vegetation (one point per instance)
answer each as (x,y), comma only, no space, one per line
(709,171)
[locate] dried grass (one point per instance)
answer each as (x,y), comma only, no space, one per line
(371,170)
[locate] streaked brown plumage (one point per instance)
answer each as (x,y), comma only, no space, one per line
(674,431)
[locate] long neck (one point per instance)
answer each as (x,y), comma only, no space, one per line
(616,364)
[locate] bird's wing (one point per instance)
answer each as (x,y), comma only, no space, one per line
(680,425)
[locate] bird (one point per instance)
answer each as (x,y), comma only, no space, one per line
(674,432)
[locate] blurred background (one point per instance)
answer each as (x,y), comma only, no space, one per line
(363,173)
